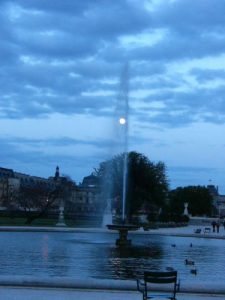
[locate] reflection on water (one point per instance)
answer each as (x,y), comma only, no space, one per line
(83,255)
(126,263)
(45,248)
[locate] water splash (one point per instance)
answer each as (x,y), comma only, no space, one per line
(119,145)
(123,110)
(107,216)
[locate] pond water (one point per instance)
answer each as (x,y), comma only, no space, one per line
(94,255)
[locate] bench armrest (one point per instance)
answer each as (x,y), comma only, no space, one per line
(140,285)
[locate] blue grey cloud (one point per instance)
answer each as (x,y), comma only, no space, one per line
(203,75)
(41,162)
(66,57)
(52,54)
(190,15)
(184,175)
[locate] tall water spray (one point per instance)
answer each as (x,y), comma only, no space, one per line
(123,121)
(119,145)
(123,124)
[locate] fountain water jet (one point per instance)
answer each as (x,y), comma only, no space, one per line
(107,217)
(123,122)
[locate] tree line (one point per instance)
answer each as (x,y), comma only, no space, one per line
(148,189)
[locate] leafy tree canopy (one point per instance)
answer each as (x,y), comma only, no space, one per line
(198,198)
(146,181)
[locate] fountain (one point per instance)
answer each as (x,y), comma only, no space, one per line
(122,121)
(107,217)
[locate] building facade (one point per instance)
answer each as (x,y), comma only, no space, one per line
(218,201)
(82,199)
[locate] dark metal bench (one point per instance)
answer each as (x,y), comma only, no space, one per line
(146,287)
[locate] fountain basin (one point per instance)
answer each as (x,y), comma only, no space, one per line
(123,231)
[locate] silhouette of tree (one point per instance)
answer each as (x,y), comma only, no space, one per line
(37,198)
(147,182)
(198,197)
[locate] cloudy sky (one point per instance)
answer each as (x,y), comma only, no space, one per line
(61,64)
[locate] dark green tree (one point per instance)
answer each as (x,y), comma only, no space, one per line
(198,198)
(147,183)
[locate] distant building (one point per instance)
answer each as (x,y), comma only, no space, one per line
(214,190)
(90,181)
(6,173)
(9,185)
(85,199)
(82,199)
(218,201)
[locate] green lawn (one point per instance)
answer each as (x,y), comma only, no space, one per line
(21,221)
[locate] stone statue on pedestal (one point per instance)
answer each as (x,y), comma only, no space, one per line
(185,213)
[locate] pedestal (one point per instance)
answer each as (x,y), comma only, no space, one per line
(185,213)
(123,229)
(122,240)
(61,220)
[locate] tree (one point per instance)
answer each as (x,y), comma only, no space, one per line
(37,197)
(147,181)
(198,198)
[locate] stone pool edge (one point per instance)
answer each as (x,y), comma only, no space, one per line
(79,230)
(101,284)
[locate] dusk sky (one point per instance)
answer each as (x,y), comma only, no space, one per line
(61,63)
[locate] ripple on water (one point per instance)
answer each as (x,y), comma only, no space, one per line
(83,255)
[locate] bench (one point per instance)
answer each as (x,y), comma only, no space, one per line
(146,287)
(198,231)
(207,230)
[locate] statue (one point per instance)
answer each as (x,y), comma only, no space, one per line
(61,220)
(185,213)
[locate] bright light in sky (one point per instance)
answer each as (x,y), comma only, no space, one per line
(122,121)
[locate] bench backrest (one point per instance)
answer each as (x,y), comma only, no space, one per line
(160,277)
